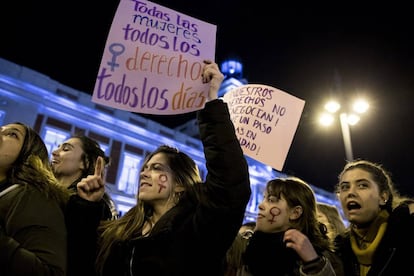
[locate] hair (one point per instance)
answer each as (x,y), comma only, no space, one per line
(298,193)
(91,151)
(233,263)
(185,173)
(381,177)
(32,167)
(336,224)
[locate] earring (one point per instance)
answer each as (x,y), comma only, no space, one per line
(177,197)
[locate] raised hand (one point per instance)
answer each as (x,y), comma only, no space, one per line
(212,74)
(92,187)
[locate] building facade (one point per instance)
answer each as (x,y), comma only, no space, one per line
(57,111)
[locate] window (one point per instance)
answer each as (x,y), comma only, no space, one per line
(53,138)
(128,183)
(2,116)
(105,148)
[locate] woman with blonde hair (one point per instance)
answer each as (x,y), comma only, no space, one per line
(331,218)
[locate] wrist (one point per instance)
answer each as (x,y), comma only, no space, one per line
(315,260)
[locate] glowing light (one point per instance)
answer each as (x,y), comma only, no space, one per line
(360,106)
(332,106)
(326,119)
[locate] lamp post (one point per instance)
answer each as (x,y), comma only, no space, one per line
(346,119)
(346,135)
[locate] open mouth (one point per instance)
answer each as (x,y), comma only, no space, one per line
(352,205)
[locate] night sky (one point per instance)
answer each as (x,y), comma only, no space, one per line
(311,50)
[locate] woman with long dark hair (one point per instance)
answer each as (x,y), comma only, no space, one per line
(180,224)
(380,234)
(32,224)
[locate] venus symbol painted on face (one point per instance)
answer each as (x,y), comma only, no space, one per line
(274,212)
(163,178)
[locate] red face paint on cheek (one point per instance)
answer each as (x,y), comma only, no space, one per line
(162,178)
(162,187)
(274,212)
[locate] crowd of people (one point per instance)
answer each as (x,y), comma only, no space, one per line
(56,218)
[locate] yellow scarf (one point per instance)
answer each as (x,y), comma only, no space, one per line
(365,246)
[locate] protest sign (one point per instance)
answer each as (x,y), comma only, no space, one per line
(153,60)
(265,119)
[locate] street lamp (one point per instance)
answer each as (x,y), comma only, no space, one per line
(345,118)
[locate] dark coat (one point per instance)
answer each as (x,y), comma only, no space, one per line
(82,220)
(193,237)
(393,252)
(110,211)
(267,254)
(32,233)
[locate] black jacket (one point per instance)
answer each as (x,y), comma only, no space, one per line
(82,219)
(267,254)
(393,252)
(32,233)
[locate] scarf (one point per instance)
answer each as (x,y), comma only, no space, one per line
(364,246)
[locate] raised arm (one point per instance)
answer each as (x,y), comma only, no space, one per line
(227,187)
